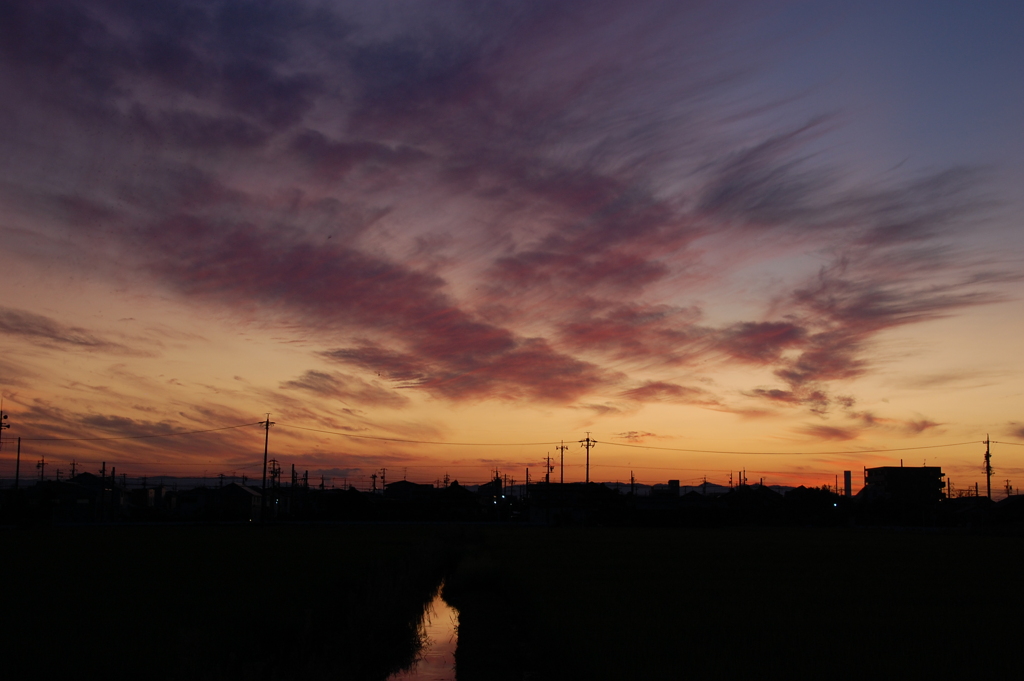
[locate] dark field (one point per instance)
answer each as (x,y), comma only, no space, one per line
(561,603)
(225,602)
(665,604)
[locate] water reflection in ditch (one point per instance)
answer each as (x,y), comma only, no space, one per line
(438,631)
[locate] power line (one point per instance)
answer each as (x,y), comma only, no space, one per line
(132,437)
(620,444)
(654,468)
(124,462)
(502,444)
(852,451)
(424,442)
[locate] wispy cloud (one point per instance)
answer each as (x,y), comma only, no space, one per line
(662,391)
(634,436)
(46,331)
(348,389)
(518,201)
(822,432)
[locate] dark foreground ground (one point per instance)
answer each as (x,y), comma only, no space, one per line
(543,603)
(620,603)
(215,602)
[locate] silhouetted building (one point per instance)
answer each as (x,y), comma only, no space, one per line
(904,484)
(671,490)
(231,502)
(239,502)
(408,491)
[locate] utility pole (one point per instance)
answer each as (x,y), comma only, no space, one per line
(383,480)
(988,465)
(588,442)
(263,490)
(561,467)
(17,466)
(373,478)
(547,470)
(3,423)
(42,468)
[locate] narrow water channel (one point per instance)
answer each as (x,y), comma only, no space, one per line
(439,634)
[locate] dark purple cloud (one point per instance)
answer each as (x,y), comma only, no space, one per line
(127,427)
(192,130)
(761,342)
(634,436)
(830,433)
(668,334)
(662,391)
(332,160)
(841,311)
(768,184)
(37,418)
(45,331)
(348,389)
(527,369)
(392,365)
(339,167)
(921,425)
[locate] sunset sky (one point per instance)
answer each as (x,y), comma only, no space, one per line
(787,231)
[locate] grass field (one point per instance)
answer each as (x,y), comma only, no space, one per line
(196,602)
(620,603)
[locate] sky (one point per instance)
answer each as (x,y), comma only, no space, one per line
(783,237)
